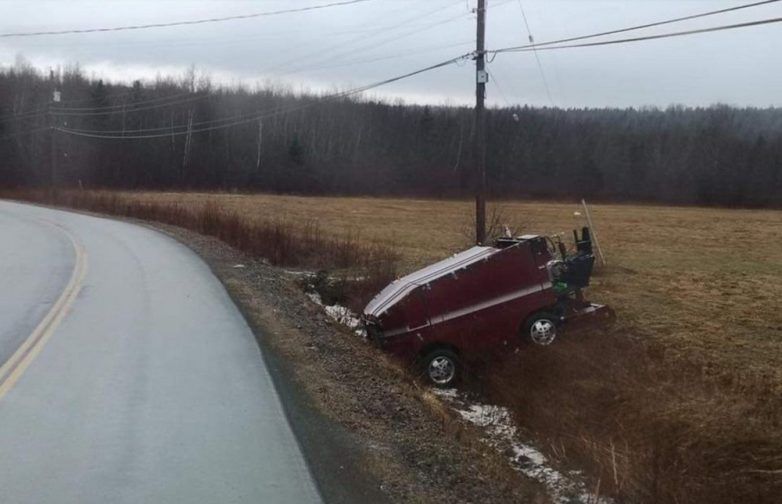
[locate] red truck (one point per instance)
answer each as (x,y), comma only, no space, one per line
(480,300)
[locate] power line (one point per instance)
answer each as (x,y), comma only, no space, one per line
(418,51)
(496,83)
(113,109)
(125,132)
(196,40)
(183,23)
(134,107)
(169,128)
(109,109)
(384,41)
(22,133)
(24,115)
(352,42)
(537,56)
(120,106)
(639,27)
(245,120)
(532,47)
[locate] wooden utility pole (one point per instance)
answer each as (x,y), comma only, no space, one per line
(481,78)
(55,98)
(52,149)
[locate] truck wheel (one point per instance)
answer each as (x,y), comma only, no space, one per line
(541,329)
(442,367)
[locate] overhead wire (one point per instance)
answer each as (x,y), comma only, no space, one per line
(418,51)
(174,96)
(187,97)
(183,23)
(108,109)
(352,42)
(556,44)
(169,128)
(130,108)
(385,41)
(537,56)
(493,80)
(196,40)
(532,47)
(213,121)
(24,115)
(642,26)
(244,120)
(22,133)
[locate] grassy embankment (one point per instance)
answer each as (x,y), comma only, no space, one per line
(681,402)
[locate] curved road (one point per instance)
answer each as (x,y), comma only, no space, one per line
(128,375)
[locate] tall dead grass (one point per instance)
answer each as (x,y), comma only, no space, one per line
(279,242)
(648,428)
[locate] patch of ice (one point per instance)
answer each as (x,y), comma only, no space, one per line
(502,434)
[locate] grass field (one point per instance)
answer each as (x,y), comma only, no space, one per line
(707,282)
(681,402)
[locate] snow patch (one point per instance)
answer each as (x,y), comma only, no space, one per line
(502,434)
(340,314)
(298,273)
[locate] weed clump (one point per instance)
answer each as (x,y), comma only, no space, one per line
(647,427)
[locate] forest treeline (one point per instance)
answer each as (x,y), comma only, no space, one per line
(327,144)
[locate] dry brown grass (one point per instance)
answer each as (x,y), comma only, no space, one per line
(280,241)
(704,282)
(681,401)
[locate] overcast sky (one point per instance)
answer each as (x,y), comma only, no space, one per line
(358,44)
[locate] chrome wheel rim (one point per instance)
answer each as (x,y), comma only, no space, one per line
(543,332)
(441,370)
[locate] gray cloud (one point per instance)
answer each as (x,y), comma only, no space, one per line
(354,45)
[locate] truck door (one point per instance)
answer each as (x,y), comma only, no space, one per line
(417,311)
(532,274)
(541,256)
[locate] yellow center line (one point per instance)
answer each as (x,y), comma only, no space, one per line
(17,364)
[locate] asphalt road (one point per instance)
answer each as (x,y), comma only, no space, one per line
(128,375)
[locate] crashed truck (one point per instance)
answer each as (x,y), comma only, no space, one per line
(521,290)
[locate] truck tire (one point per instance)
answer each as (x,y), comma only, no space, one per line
(540,329)
(442,368)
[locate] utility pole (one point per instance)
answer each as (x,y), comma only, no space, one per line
(52,132)
(481,78)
